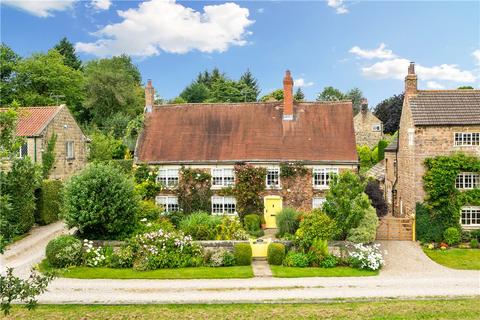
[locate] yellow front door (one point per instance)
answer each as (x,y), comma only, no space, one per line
(273,205)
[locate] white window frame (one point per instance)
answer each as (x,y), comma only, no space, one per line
(168,177)
(377,127)
(23,147)
(317,202)
(467,180)
(411,136)
(222,177)
(326,179)
(470,220)
(168,202)
(277,171)
(466,139)
(70,150)
(224,206)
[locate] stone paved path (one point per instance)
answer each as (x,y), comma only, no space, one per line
(261,269)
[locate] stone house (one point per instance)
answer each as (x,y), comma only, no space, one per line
(433,123)
(368,128)
(38,124)
(217,136)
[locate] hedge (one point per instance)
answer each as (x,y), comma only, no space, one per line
(243,254)
(49,202)
(275,253)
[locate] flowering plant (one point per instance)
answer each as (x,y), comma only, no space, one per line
(92,257)
(366,257)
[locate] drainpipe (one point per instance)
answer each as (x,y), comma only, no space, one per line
(35,149)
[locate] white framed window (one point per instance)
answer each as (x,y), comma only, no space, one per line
(168,177)
(169,203)
(222,177)
(317,202)
(23,152)
(273,177)
(467,139)
(377,127)
(70,148)
(224,205)
(411,136)
(470,216)
(322,177)
(467,180)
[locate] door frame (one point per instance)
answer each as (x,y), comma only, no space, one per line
(270,197)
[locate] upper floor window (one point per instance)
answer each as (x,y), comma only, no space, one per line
(317,203)
(223,205)
(467,180)
(467,138)
(273,177)
(169,203)
(377,127)
(23,152)
(222,177)
(168,177)
(70,150)
(322,176)
(470,217)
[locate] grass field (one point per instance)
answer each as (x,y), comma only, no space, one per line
(465,259)
(292,272)
(386,310)
(180,273)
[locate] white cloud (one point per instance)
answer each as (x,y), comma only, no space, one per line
(158,25)
(338,5)
(435,85)
(476,56)
(101,4)
(300,82)
(379,53)
(40,8)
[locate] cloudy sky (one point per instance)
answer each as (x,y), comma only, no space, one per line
(345,44)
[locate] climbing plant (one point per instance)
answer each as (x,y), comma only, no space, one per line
(250,182)
(292,170)
(194,190)
(48,156)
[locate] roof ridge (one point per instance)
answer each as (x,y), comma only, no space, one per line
(453,90)
(241,104)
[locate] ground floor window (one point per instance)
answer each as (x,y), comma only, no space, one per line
(23,152)
(470,217)
(169,203)
(317,202)
(224,205)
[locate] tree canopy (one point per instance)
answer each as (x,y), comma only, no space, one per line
(390,111)
(70,58)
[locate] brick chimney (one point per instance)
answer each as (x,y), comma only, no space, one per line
(411,80)
(149,97)
(364,104)
(287,97)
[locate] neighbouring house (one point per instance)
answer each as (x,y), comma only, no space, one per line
(39,124)
(217,136)
(368,128)
(433,123)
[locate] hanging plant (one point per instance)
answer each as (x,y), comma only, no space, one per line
(194,190)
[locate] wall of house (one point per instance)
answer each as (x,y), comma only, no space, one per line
(364,134)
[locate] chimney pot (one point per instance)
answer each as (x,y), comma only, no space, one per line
(149,97)
(411,80)
(287,96)
(364,104)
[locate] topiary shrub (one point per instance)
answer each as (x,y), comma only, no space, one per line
(452,236)
(275,253)
(49,202)
(367,228)
(243,254)
(64,251)
(101,203)
(201,225)
(315,225)
(287,221)
(148,210)
(251,222)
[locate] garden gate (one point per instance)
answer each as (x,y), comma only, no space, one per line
(391,228)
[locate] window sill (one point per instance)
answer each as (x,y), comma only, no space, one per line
(321,187)
(273,187)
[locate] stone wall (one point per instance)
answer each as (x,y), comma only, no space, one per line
(364,134)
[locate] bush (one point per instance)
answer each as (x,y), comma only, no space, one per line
(148,210)
(376,197)
(175,217)
(251,222)
(375,155)
(201,225)
(365,156)
(147,190)
(287,221)
(124,165)
(64,251)
(122,258)
(296,259)
(382,144)
(49,202)
(100,202)
(428,229)
(145,226)
(243,254)
(222,258)
(367,228)
(451,236)
(329,261)
(230,228)
(315,225)
(275,253)
(474,243)
(366,257)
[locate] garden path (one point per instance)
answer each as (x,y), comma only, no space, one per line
(261,268)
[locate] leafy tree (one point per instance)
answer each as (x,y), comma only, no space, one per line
(67,50)
(252,89)
(8,62)
(196,92)
(465,88)
(356,96)
(105,147)
(10,143)
(366,230)
(331,94)
(390,111)
(365,155)
(228,91)
(299,95)
(177,100)
(276,95)
(376,197)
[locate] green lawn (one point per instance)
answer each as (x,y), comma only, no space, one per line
(180,273)
(293,272)
(466,259)
(386,310)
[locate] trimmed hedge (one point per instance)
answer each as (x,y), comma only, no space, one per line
(49,202)
(64,251)
(243,254)
(275,253)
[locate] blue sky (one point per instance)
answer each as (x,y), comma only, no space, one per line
(365,44)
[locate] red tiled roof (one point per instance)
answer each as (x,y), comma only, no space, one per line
(248,132)
(33,120)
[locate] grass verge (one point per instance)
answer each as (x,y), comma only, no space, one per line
(180,273)
(465,259)
(293,272)
(387,310)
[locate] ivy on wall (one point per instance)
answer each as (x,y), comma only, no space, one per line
(48,156)
(249,184)
(194,190)
(292,170)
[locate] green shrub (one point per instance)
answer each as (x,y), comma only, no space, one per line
(428,229)
(275,253)
(375,155)
(296,259)
(175,217)
(382,144)
(367,228)
(475,234)
(257,234)
(147,190)
(315,225)
(49,202)
(230,228)
(100,202)
(122,258)
(64,251)
(451,236)
(221,258)
(148,210)
(243,254)
(365,156)
(329,261)
(201,225)
(143,173)
(150,226)
(474,243)
(251,222)
(124,165)
(287,221)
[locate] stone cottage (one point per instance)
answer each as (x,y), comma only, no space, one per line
(368,128)
(217,136)
(433,123)
(38,124)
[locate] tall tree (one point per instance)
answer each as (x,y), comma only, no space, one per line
(67,50)
(196,92)
(275,95)
(8,64)
(10,143)
(390,111)
(228,91)
(356,96)
(252,89)
(330,94)
(299,95)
